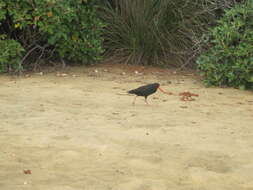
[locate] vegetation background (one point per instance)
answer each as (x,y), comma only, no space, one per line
(218,34)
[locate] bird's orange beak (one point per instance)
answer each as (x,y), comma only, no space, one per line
(169,93)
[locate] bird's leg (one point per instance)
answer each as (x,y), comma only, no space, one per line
(134,100)
(146,101)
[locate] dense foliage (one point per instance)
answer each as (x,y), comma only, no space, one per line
(158,31)
(66,29)
(10,55)
(229,60)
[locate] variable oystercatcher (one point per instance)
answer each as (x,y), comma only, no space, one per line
(146,91)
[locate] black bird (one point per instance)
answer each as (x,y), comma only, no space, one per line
(144,91)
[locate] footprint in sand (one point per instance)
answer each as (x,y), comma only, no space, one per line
(214,162)
(61,138)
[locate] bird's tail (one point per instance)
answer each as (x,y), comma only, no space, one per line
(131,92)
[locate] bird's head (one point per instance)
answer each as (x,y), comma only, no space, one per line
(157,85)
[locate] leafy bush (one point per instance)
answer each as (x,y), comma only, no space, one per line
(10,55)
(66,29)
(229,60)
(157,31)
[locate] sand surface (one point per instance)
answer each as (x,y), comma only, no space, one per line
(80,132)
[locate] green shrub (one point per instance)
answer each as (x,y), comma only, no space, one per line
(229,60)
(157,31)
(66,29)
(10,55)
